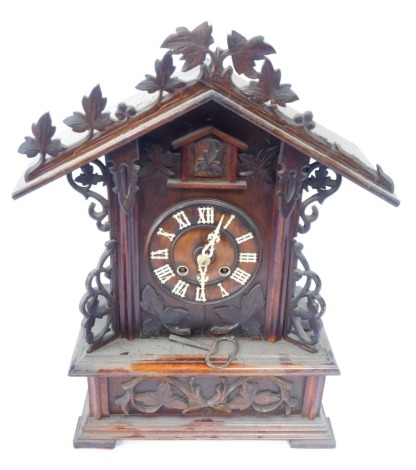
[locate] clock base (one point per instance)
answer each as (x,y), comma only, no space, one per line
(156,389)
(298,431)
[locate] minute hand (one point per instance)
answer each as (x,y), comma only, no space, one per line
(213,239)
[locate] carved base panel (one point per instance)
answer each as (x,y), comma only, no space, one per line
(299,431)
(156,389)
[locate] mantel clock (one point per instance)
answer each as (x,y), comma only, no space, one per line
(203,318)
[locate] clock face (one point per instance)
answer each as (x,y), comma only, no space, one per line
(203,251)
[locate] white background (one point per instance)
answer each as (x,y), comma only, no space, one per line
(353,64)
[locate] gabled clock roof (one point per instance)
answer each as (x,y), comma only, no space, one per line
(262,102)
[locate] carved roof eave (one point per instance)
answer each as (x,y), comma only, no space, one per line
(268,118)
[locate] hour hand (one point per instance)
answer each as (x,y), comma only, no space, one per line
(213,239)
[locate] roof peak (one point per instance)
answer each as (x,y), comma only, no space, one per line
(262,100)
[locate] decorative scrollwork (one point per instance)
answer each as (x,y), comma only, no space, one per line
(307,305)
(243,316)
(263,394)
(82,184)
(97,304)
(318,179)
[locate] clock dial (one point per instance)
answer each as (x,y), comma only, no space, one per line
(203,251)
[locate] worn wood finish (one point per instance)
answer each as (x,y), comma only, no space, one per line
(98,397)
(205,183)
(312,400)
(300,432)
(187,100)
(159,357)
(286,200)
(125,216)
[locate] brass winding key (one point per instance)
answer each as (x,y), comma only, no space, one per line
(212,350)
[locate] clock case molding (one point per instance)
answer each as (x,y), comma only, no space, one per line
(202,135)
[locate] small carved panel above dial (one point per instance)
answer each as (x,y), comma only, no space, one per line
(209,160)
(203,251)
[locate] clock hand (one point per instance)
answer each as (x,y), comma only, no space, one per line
(203,262)
(213,239)
(204,258)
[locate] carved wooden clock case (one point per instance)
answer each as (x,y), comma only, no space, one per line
(203,317)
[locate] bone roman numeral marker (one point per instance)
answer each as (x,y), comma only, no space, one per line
(200,295)
(244,238)
(206,215)
(182,220)
(164,273)
(247,257)
(160,254)
(180,288)
(232,217)
(224,293)
(241,276)
(162,233)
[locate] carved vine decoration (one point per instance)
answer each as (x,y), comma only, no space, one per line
(194,48)
(163,81)
(82,184)
(97,304)
(161,316)
(41,143)
(187,396)
(242,316)
(318,179)
(125,111)
(307,305)
(259,166)
(154,160)
(93,118)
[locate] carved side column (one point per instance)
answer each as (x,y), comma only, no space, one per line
(290,176)
(98,397)
(124,210)
(312,398)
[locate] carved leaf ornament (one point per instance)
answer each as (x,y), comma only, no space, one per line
(187,396)
(163,80)
(156,160)
(93,117)
(242,316)
(42,142)
(245,52)
(269,88)
(161,316)
(259,166)
(193,47)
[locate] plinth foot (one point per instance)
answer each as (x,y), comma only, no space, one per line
(300,432)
